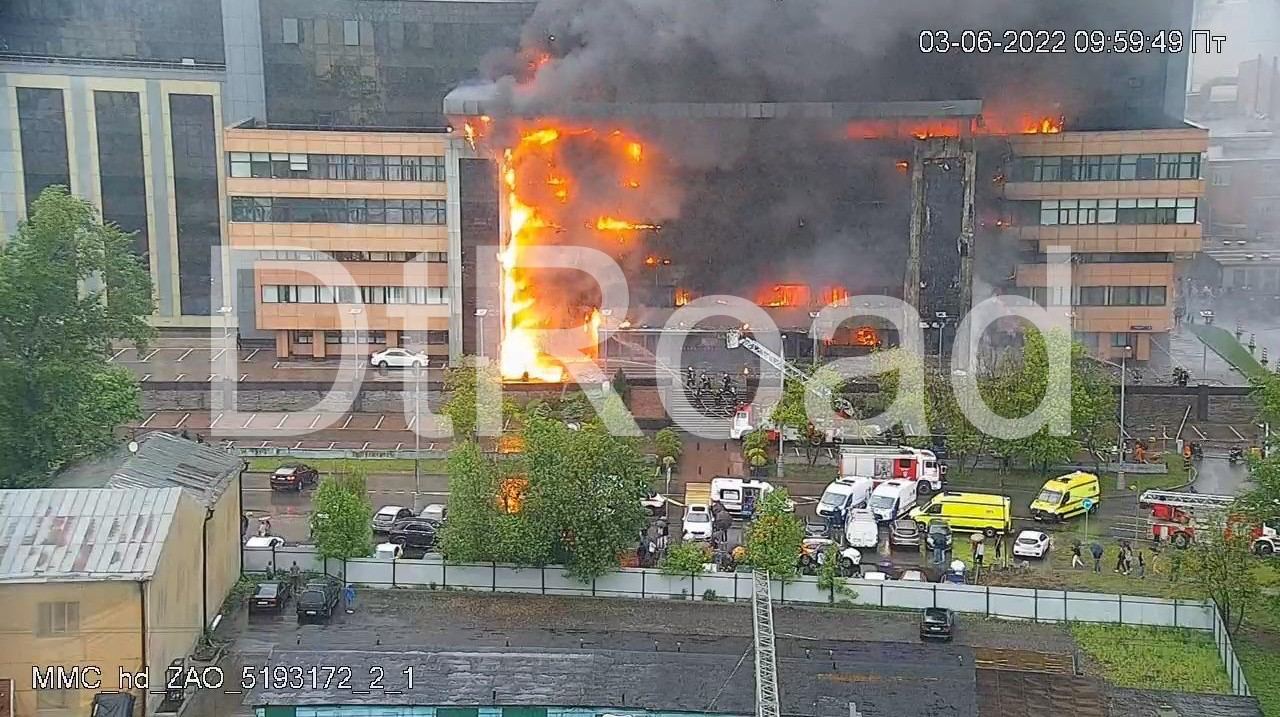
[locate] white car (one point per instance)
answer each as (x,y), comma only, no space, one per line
(697,523)
(388,551)
(1031,544)
(915,576)
(397,358)
(387,516)
(270,542)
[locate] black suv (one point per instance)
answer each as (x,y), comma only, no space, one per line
(271,595)
(937,623)
(318,599)
(938,534)
(294,477)
(414,533)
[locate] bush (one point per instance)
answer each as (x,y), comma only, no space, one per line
(686,559)
(709,596)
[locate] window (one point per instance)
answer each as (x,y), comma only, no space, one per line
(1093,296)
(290,30)
(432,169)
(1164,210)
(350,32)
(1120,341)
(270,294)
(436,257)
(1222,177)
(53,699)
(1107,167)
(240,164)
(58,618)
(337,211)
(300,337)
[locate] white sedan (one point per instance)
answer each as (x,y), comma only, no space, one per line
(397,358)
(697,523)
(1031,544)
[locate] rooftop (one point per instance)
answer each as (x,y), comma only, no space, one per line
(161,461)
(56,534)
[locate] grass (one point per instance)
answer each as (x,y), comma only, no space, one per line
(1154,658)
(330,465)
(1261,664)
(1226,346)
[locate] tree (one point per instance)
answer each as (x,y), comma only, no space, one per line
(668,446)
(621,386)
(468,407)
(340,523)
(1093,404)
(775,537)
(686,559)
(1221,566)
(477,530)
(1017,390)
(791,411)
(1262,500)
(69,287)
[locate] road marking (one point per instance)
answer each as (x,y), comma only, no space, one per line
(116,355)
(212,376)
(214,422)
(265,444)
(276,365)
(243,376)
(185,354)
(314,421)
(179,377)
(283,418)
(149,418)
(399,446)
(182,420)
(250,420)
(1198,433)
(349,417)
(218,355)
(409,426)
(431,446)
(297,445)
(380,420)
(147,358)
(145,377)
(249,358)
(365,447)
(332,444)
(1233,430)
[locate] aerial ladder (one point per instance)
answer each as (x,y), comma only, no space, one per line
(1185,500)
(767,694)
(734,339)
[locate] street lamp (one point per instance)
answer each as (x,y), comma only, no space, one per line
(941,326)
(1124,375)
(604,343)
(1207,315)
(480,314)
(813,331)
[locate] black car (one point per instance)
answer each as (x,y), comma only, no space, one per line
(937,623)
(414,533)
(294,477)
(271,595)
(938,534)
(317,600)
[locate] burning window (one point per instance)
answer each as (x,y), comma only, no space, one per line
(866,336)
(784,295)
(683,296)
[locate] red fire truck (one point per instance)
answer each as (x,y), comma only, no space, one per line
(1175,517)
(881,463)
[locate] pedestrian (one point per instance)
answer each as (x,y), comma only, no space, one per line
(1096,551)
(1142,565)
(999,549)
(239,341)
(295,576)
(979,552)
(1076,561)
(349,596)
(640,552)
(1120,560)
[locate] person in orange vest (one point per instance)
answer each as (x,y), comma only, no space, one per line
(1140,453)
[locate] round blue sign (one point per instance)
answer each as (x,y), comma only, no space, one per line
(1087,503)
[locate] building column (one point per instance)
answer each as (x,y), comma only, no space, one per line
(317,344)
(911,282)
(282,344)
(393,338)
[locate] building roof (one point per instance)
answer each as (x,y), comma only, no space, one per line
(59,534)
(162,461)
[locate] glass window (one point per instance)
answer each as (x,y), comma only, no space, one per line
(437,257)
(396,295)
(1049,212)
(1049,169)
(1093,296)
(270,294)
(1186,211)
(395,211)
(392,169)
(1146,166)
(1124,340)
(1128,166)
(58,618)
(290,30)
(373,167)
(412,211)
(1109,167)
(241,165)
(350,32)
(306,294)
(346,294)
(409,170)
(433,169)
(300,337)
(324,294)
(1024,169)
(433,212)
(333,337)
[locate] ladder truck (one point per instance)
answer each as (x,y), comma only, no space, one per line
(1176,516)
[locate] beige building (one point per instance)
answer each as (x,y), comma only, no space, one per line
(1127,205)
(347,236)
(111,576)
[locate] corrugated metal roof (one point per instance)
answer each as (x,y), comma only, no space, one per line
(162,461)
(55,534)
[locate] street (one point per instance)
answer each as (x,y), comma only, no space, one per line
(290,511)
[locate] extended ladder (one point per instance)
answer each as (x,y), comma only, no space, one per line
(735,339)
(767,702)
(1185,500)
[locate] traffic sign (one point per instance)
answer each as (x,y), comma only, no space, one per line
(1087,503)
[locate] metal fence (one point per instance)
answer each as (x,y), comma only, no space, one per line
(1222,638)
(1016,603)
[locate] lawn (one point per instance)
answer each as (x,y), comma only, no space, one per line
(1261,662)
(330,465)
(1226,346)
(1154,658)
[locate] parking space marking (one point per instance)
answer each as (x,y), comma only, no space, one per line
(1198,433)
(147,358)
(116,355)
(179,377)
(1233,430)
(283,418)
(249,420)
(218,355)
(275,365)
(249,358)
(145,377)
(349,417)
(182,420)
(409,425)
(148,421)
(185,354)
(332,444)
(297,445)
(379,424)
(212,376)
(243,376)
(431,446)
(214,422)
(365,447)
(314,421)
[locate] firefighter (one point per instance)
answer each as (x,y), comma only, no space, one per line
(705,386)
(690,377)
(726,384)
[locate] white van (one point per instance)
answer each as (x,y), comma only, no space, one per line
(893,498)
(735,494)
(843,495)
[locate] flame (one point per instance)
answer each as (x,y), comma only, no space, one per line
(992,123)
(560,189)
(683,296)
(635,151)
(469,131)
(784,295)
(866,336)
(902,165)
(1045,125)
(612,224)
(835,296)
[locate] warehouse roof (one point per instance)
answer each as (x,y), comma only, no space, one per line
(161,461)
(60,534)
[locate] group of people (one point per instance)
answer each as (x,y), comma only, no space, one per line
(655,540)
(700,383)
(1128,561)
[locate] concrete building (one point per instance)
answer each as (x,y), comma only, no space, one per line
(124,576)
(1126,204)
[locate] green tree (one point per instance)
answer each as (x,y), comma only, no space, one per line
(477,531)
(69,287)
(774,538)
(340,523)
(1017,389)
(668,446)
(468,406)
(1093,404)
(686,559)
(1262,500)
(1221,566)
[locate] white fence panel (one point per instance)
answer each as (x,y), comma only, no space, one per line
(559,583)
(369,571)
(1195,615)
(629,583)
(469,577)
(518,580)
(419,572)
(1012,602)
(867,592)
(803,589)
(1146,611)
(1051,605)
(721,583)
(1093,607)
(908,594)
(962,598)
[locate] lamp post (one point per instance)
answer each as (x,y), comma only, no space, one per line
(604,342)
(1124,376)
(417,434)
(782,390)
(480,314)
(1207,315)
(813,331)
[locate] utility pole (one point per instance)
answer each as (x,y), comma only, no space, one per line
(782,390)
(1124,376)
(417,436)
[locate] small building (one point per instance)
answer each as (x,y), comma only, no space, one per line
(101,570)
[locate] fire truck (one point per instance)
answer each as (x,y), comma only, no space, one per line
(881,463)
(1175,518)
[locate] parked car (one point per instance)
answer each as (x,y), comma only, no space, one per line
(937,623)
(892,499)
(434,511)
(813,554)
(397,358)
(843,495)
(875,576)
(1031,544)
(697,523)
(389,515)
(388,551)
(915,576)
(861,530)
(271,595)
(317,600)
(294,477)
(264,542)
(414,533)
(905,533)
(938,535)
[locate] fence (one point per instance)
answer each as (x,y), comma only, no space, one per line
(1016,603)
(1239,685)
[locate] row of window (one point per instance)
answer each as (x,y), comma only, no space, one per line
(1107,167)
(1102,257)
(337,211)
(281,165)
(1097,295)
(311,294)
(291,31)
(407,338)
(430,257)
(1052,212)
